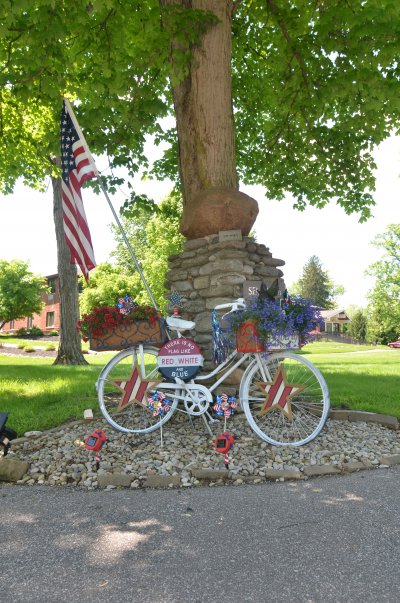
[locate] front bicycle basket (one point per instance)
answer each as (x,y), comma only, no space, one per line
(127,335)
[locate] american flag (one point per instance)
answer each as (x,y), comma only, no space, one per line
(76,168)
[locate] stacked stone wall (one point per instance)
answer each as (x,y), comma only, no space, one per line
(208,273)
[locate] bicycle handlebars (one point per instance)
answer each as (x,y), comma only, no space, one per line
(236,304)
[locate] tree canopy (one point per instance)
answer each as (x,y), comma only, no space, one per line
(153,237)
(314,87)
(384,305)
(358,325)
(314,284)
(20,291)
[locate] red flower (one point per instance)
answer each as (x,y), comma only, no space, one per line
(105,318)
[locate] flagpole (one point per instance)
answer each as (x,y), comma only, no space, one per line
(116,218)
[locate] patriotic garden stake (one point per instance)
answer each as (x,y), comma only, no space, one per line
(175,302)
(158,404)
(125,304)
(223,444)
(95,442)
(225,406)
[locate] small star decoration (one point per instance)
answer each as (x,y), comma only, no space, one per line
(175,299)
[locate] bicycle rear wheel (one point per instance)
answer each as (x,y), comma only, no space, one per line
(285,399)
(126,384)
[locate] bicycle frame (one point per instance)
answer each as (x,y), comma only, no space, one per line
(292,413)
(220,367)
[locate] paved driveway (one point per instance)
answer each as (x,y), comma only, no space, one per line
(325,540)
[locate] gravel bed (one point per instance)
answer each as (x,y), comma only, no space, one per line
(60,458)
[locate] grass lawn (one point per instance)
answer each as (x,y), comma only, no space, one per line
(359,377)
(39,396)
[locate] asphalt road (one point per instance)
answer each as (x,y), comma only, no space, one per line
(333,539)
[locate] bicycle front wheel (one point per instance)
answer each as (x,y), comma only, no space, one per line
(285,399)
(126,387)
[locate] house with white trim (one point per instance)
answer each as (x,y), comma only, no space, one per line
(334,320)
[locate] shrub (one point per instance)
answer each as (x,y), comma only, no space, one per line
(50,347)
(21,346)
(53,334)
(22,332)
(29,348)
(35,332)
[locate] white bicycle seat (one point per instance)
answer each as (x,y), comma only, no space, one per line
(179,324)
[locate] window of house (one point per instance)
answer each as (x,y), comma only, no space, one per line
(49,319)
(29,322)
(52,283)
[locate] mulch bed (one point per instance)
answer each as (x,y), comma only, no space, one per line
(9,351)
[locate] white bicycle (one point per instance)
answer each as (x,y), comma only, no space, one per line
(283,395)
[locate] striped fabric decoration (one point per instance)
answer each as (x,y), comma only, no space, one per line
(279,394)
(134,390)
(76,169)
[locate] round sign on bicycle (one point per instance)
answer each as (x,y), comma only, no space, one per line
(181,358)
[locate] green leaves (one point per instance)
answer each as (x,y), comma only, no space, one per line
(20,291)
(321,100)
(138,205)
(384,306)
(315,88)
(315,285)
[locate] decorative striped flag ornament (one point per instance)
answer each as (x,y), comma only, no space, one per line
(134,390)
(279,394)
(77,167)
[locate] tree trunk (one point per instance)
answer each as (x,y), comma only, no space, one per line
(70,348)
(206,137)
(203,108)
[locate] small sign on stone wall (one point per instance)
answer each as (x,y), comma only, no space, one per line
(250,289)
(230,235)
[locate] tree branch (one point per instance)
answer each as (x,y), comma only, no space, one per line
(275,11)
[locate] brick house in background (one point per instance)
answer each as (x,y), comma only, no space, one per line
(49,318)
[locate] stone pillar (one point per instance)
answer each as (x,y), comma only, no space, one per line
(209,272)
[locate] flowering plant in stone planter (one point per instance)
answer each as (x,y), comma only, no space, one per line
(112,328)
(269,324)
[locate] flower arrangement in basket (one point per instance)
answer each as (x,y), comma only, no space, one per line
(121,326)
(269,324)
